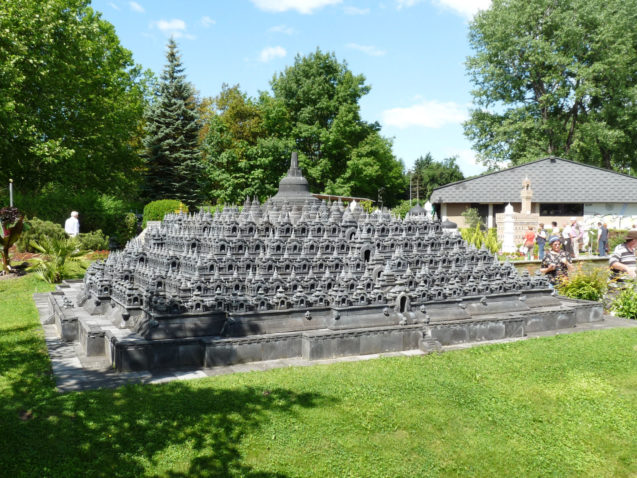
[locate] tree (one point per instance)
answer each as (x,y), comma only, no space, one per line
(429,174)
(172,156)
(71,100)
(245,148)
(555,78)
(372,166)
(321,97)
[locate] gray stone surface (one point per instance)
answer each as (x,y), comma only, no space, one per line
(296,277)
(74,372)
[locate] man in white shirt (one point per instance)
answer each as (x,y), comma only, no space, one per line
(72,225)
(566,239)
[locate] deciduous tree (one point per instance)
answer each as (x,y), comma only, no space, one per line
(429,174)
(555,78)
(71,99)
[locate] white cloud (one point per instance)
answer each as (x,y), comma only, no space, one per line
(136,7)
(426,114)
(367,49)
(272,52)
(301,6)
(207,21)
(355,11)
(282,29)
(114,6)
(175,28)
(467,160)
(466,8)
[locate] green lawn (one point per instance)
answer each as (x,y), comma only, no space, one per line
(560,406)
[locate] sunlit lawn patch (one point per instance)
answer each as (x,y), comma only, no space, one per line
(561,406)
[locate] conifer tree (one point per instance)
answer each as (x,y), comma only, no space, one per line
(172,153)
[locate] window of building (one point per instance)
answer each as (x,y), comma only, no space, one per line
(571,209)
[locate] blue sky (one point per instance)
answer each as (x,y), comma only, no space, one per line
(411,53)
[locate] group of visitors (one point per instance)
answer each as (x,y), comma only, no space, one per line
(557,262)
(565,244)
(571,237)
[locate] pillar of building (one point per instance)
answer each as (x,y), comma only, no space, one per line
(490,217)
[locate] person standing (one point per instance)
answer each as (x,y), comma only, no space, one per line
(575,237)
(529,240)
(602,242)
(540,240)
(566,239)
(72,225)
(556,263)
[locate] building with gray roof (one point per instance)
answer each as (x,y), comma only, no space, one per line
(561,189)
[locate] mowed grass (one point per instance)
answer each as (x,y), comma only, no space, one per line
(559,406)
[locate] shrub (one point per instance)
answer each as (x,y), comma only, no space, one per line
(97,211)
(584,285)
(472,218)
(368,206)
(93,241)
(404,206)
(625,305)
(37,231)
(478,238)
(57,255)
(156,210)
(615,238)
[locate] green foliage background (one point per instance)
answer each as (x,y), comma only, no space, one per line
(156,210)
(554,78)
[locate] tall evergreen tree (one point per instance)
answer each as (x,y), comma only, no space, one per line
(172,155)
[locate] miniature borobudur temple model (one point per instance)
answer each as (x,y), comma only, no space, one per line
(297,277)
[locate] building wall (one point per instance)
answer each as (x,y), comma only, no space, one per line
(606,212)
(603,209)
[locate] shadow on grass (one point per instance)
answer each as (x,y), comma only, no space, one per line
(175,429)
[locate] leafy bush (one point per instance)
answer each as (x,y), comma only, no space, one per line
(57,255)
(615,238)
(478,238)
(404,206)
(37,231)
(93,241)
(156,210)
(625,305)
(97,211)
(472,218)
(128,229)
(584,285)
(368,206)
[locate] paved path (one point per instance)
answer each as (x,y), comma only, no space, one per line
(74,372)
